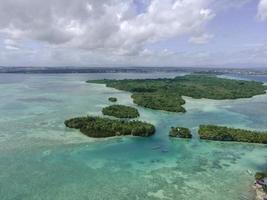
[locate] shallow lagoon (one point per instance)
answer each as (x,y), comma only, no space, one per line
(41,159)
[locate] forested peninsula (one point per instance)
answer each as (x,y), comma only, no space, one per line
(166,94)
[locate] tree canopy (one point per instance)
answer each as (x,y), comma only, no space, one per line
(112,99)
(180,132)
(120,111)
(222,133)
(166,94)
(104,127)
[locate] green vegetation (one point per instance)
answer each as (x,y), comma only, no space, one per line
(120,111)
(221,133)
(159,101)
(260,175)
(104,127)
(166,94)
(180,132)
(112,99)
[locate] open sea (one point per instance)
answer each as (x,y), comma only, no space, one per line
(40,159)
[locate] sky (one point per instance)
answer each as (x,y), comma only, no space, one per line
(92,33)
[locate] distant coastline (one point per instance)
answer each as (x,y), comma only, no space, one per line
(68,70)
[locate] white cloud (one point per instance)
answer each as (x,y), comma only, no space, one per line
(201,39)
(11,47)
(262,10)
(112,26)
(111,32)
(11,44)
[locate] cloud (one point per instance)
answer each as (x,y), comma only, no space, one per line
(201,39)
(113,32)
(114,26)
(262,10)
(11,44)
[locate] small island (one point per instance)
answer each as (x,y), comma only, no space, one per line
(112,99)
(99,127)
(120,111)
(222,133)
(166,94)
(180,132)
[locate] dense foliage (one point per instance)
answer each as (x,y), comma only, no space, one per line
(180,132)
(260,175)
(159,101)
(222,133)
(166,94)
(120,111)
(112,99)
(104,127)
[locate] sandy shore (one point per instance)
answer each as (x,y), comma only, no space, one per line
(259,193)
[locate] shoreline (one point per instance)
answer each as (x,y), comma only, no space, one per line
(259,193)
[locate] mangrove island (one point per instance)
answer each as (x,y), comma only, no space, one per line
(112,99)
(120,111)
(222,133)
(99,127)
(166,94)
(180,132)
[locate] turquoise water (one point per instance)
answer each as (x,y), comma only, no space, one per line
(41,159)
